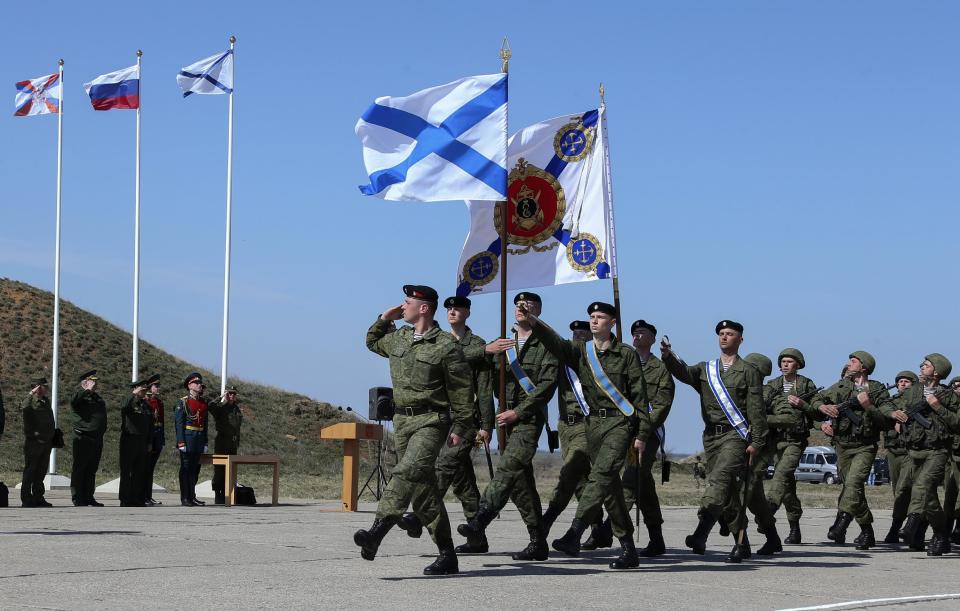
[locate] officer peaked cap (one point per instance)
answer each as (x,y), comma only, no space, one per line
(421,292)
(729,324)
(600,306)
(89,375)
(145,382)
(642,324)
(190,378)
(456,302)
(40,381)
(527,296)
(153,379)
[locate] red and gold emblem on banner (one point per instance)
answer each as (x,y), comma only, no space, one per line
(535,205)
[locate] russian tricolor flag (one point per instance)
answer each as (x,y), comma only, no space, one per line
(120,89)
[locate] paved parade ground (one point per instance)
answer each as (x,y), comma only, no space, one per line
(301,555)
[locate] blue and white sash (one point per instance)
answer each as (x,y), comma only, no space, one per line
(522,378)
(577,390)
(730,409)
(603,381)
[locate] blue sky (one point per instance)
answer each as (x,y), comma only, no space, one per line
(790,165)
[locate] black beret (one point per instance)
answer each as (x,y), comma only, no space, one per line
(642,324)
(90,375)
(729,324)
(527,296)
(579,325)
(600,306)
(421,292)
(193,376)
(456,302)
(40,381)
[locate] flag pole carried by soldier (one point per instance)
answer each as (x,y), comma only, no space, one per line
(532,380)
(894,442)
(454,465)
(731,401)
(929,448)
(616,386)
(433,392)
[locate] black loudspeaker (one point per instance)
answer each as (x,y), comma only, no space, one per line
(381,403)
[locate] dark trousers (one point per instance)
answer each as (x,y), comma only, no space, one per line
(153,455)
(36,461)
(219,471)
(87,448)
(133,469)
(189,469)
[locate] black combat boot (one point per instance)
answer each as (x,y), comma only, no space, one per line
(478,523)
(838,532)
(569,543)
(547,519)
(628,558)
(866,539)
(537,548)
(474,545)
(893,535)
(909,530)
(445,564)
(773,545)
(793,537)
(656,547)
(600,536)
(955,536)
(369,540)
(412,524)
(935,547)
(917,544)
(740,551)
(697,542)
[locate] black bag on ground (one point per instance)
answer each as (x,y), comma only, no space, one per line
(245,496)
(3,495)
(57,441)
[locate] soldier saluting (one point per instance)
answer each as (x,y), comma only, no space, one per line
(190,421)
(135,427)
(38,431)
(228,418)
(433,392)
(735,428)
(89,425)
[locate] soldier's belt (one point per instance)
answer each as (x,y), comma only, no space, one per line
(604,413)
(414,411)
(194,428)
(719,429)
(572,419)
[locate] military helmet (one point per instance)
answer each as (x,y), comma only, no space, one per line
(794,354)
(941,364)
(866,359)
(761,362)
(907,375)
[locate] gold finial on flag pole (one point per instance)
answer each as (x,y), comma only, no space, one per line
(505,55)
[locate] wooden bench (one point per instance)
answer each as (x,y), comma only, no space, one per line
(230,462)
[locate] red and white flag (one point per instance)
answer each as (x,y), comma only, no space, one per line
(39,96)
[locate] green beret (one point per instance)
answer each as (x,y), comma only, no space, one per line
(794,354)
(941,364)
(600,306)
(456,302)
(421,292)
(729,324)
(762,363)
(866,359)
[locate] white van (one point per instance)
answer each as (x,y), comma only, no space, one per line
(818,464)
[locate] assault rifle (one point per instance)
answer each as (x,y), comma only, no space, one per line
(919,410)
(846,408)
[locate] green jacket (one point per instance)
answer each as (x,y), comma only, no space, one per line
(660,390)
(566,401)
(892,440)
(473,347)
(89,412)
(431,372)
(228,420)
(845,433)
(745,385)
(944,423)
(621,364)
(136,418)
(38,424)
(782,417)
(543,370)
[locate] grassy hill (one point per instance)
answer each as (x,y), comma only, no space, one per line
(275,421)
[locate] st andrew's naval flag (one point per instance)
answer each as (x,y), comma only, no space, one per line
(120,89)
(210,76)
(443,143)
(557,211)
(39,96)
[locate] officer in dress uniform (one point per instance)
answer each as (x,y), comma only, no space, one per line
(228,418)
(190,421)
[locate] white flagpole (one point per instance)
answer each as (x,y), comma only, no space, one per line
(55,375)
(226,256)
(608,204)
(136,244)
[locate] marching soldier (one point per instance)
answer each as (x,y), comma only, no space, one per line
(136,424)
(454,465)
(531,382)
(433,392)
(572,429)
(790,428)
(896,448)
(190,423)
(157,438)
(855,431)
(89,425)
(929,448)
(228,418)
(735,434)
(38,431)
(614,388)
(951,487)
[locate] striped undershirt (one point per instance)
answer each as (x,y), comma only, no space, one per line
(928,390)
(787,387)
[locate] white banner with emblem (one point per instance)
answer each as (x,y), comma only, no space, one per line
(558,211)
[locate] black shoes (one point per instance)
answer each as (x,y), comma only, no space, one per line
(697,542)
(656,547)
(600,536)
(219,498)
(412,524)
(445,564)
(865,540)
(474,545)
(536,550)
(773,545)
(569,543)
(94,503)
(838,532)
(477,525)
(369,540)
(793,537)
(628,558)
(893,535)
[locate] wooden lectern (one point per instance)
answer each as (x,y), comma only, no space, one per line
(351,433)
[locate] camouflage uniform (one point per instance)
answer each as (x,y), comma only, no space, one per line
(789,431)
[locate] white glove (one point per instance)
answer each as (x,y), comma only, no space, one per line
(183,449)
(206,449)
